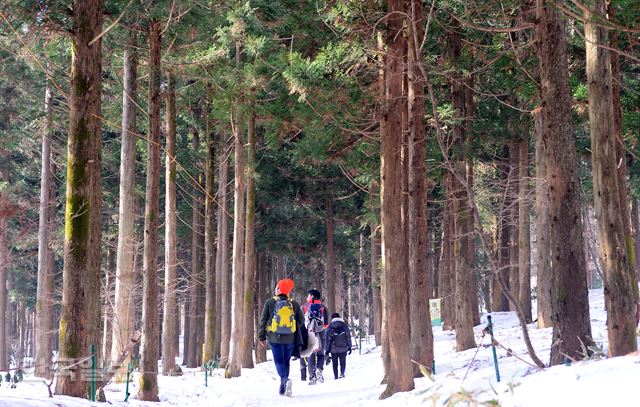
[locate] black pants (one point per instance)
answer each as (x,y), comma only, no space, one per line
(303,369)
(342,357)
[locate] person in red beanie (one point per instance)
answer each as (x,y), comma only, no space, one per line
(281,323)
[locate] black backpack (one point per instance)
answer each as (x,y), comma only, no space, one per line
(339,341)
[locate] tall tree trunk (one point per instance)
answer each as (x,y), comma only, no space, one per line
(170,236)
(621,154)
(361,304)
(620,285)
(375,284)
(635,222)
(513,216)
(463,264)
(395,278)
(237,287)
(44,304)
(107,307)
(80,319)
(222,258)
(150,325)
(499,299)
(340,291)
(436,251)
(262,295)
(209,252)
(469,108)
(421,342)
(446,271)
(569,296)
(249,246)
(524,234)
(4,259)
(330,296)
(22,328)
(187,339)
(543,249)
(124,308)
(195,304)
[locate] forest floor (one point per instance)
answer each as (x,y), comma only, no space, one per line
(462,378)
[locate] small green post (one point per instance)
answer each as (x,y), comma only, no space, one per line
(360,346)
(433,366)
(126,390)
(93,372)
(493,347)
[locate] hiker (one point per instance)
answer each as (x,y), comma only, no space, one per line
(281,323)
(338,344)
(317,319)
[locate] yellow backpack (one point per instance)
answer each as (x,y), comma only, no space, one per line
(283,319)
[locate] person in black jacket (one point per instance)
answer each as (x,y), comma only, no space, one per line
(338,343)
(281,322)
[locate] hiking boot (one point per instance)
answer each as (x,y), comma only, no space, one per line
(282,389)
(319,376)
(312,381)
(342,376)
(287,390)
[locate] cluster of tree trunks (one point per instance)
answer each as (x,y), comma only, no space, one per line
(222,304)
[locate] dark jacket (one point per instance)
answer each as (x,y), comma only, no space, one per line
(273,337)
(338,336)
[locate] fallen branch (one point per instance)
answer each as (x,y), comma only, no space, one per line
(135,339)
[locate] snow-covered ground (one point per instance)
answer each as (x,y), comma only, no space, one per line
(463,378)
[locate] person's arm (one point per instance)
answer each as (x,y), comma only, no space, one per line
(348,333)
(329,339)
(299,315)
(264,320)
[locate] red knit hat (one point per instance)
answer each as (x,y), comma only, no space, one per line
(285,286)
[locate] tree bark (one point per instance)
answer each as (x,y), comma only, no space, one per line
(209,252)
(499,299)
(107,307)
(395,278)
(635,223)
(513,216)
(150,326)
(237,287)
(22,333)
(543,249)
(446,270)
(421,342)
(375,284)
(124,313)
(331,299)
(170,236)
(262,295)
(569,296)
(80,314)
(469,107)
(620,285)
(524,234)
(222,258)
(250,253)
(5,260)
(463,264)
(195,302)
(44,304)
(361,304)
